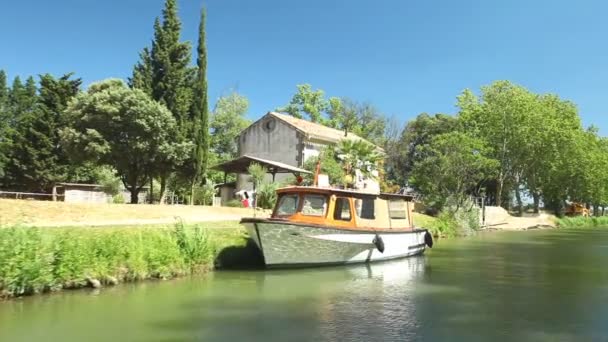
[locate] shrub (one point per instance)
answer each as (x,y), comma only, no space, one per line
(266,196)
(34,261)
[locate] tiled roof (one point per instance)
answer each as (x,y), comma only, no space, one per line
(315,130)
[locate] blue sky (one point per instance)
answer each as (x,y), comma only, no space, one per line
(405,57)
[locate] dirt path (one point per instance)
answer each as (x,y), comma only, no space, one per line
(499,218)
(55,214)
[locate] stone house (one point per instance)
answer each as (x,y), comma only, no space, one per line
(289,140)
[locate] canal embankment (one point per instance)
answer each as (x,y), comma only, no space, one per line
(39,260)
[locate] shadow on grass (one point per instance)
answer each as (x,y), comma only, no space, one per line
(244,257)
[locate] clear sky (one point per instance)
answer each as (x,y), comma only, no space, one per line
(403,56)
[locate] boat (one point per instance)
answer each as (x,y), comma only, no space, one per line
(317,225)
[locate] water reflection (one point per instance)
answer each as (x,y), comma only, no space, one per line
(540,286)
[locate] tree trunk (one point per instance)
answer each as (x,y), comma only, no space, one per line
(163,189)
(501,183)
(151,190)
(536,197)
(192,192)
(520,204)
(596,210)
(134,195)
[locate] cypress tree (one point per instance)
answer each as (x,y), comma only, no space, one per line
(200,110)
(163,73)
(4,132)
(36,159)
(3,91)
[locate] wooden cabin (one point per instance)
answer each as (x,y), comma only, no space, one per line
(348,209)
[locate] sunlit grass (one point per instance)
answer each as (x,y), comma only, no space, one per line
(35,260)
(582,222)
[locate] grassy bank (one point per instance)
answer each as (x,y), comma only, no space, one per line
(34,260)
(582,222)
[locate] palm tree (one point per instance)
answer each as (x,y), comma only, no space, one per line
(358,155)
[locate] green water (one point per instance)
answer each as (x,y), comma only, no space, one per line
(522,286)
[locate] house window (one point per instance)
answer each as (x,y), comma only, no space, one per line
(314,205)
(365,209)
(342,210)
(269,125)
(288,204)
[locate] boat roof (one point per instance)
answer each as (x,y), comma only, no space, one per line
(343,192)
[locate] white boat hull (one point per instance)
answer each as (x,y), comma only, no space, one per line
(285,244)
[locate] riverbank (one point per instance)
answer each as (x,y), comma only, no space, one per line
(36,260)
(583,222)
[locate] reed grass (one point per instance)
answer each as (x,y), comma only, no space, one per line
(583,222)
(35,260)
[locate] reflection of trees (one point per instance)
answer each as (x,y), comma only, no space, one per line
(515,285)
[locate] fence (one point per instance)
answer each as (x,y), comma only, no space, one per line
(39,196)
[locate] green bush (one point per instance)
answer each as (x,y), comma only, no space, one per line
(583,222)
(34,260)
(235,203)
(266,195)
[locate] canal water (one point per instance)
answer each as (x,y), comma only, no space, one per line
(549,285)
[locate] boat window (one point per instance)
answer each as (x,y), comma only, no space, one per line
(314,205)
(397,209)
(288,204)
(365,208)
(342,210)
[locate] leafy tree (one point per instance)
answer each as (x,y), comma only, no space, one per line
(500,119)
(405,154)
(308,102)
(36,159)
(227,122)
(163,73)
(357,155)
(113,125)
(330,166)
(453,167)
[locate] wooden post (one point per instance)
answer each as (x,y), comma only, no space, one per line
(54,193)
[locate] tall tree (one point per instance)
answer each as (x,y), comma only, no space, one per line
(201,109)
(36,159)
(499,119)
(4,127)
(164,73)
(418,132)
(113,125)
(454,166)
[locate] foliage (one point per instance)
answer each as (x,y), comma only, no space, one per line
(358,155)
(36,261)
(347,115)
(307,101)
(203,194)
(330,166)
(266,196)
(454,165)
(582,222)
(402,157)
(106,177)
(123,128)
(33,157)
(227,123)
(234,203)
(164,74)
(257,172)
(201,107)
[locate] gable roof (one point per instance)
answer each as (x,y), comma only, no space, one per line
(316,131)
